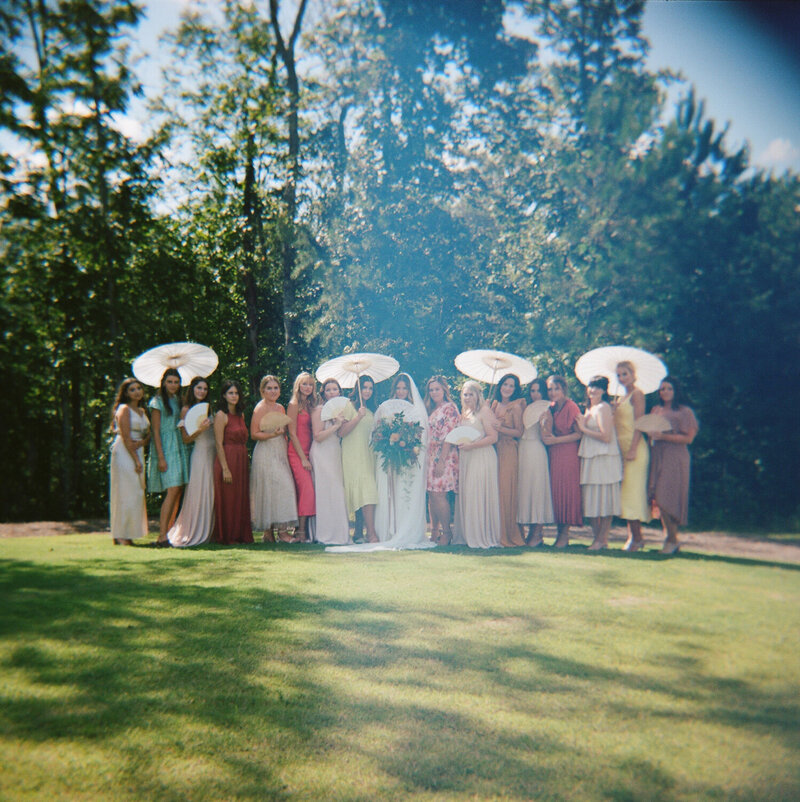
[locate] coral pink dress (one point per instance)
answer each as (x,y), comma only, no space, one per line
(565,468)
(441,422)
(232,501)
(303,481)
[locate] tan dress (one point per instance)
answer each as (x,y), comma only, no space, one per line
(507,474)
(477,521)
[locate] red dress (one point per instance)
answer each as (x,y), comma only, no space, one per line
(565,468)
(232,501)
(303,481)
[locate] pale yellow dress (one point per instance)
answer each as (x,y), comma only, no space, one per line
(633,495)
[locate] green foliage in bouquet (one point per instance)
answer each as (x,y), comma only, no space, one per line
(397,442)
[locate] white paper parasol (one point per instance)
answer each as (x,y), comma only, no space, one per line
(652,423)
(189,359)
(489,366)
(194,417)
(533,412)
(332,407)
(461,435)
(347,368)
(650,370)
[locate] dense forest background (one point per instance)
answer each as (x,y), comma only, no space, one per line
(411,177)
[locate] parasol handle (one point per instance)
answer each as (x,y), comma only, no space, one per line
(358,384)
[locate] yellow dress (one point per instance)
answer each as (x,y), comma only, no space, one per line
(634,481)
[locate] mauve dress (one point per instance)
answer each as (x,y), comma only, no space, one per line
(303,481)
(565,468)
(669,465)
(232,501)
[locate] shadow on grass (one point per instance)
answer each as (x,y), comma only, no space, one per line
(235,678)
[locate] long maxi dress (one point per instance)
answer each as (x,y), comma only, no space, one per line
(272,494)
(358,464)
(332,526)
(128,509)
(633,494)
(507,480)
(565,469)
(195,521)
(670,465)
(232,500)
(534,493)
(601,470)
(303,481)
(477,521)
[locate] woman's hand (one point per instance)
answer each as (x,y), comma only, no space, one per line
(137,466)
(162,465)
(204,425)
(580,422)
(227,476)
(305,462)
(631,455)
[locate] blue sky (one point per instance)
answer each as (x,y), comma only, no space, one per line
(741,57)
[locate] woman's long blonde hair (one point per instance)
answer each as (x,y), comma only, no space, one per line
(302,403)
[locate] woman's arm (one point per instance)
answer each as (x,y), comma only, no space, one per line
(220,422)
(293,412)
(318,426)
(638,405)
(155,426)
(550,439)
(516,429)
(123,421)
(681,438)
(349,425)
(255,424)
(605,422)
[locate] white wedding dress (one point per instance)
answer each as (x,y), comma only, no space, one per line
(400,519)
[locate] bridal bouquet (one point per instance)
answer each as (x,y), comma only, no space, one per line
(397,442)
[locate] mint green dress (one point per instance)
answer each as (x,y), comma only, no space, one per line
(177,473)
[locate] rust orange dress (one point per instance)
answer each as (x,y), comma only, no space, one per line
(507,476)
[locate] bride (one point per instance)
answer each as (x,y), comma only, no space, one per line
(400,511)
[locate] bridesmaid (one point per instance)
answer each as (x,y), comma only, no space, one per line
(442,469)
(304,399)
(478,506)
(561,434)
(507,406)
(670,467)
(332,525)
(636,455)
(231,480)
(132,429)
(196,518)
(601,463)
(273,506)
(535,496)
(358,459)
(168,465)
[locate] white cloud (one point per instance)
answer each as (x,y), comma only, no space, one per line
(779,152)
(129,127)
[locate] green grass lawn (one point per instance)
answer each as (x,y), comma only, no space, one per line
(273,672)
